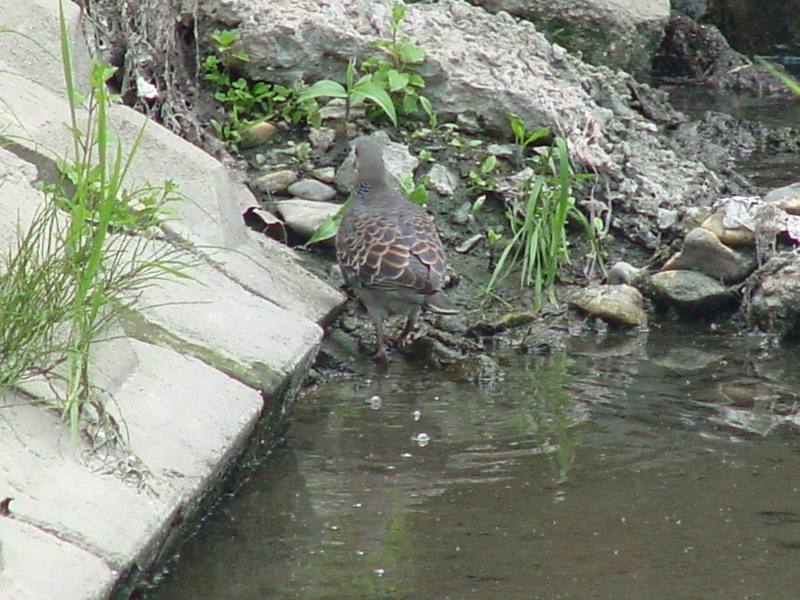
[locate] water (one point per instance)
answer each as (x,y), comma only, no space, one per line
(657,465)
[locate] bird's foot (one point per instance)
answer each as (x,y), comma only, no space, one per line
(403,340)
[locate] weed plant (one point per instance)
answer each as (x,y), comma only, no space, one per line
(248,102)
(84,257)
(538,224)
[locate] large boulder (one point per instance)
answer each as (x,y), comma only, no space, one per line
(488,66)
(621,35)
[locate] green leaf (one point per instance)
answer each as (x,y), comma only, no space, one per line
(419,195)
(398,12)
(323,87)
(397,80)
(241,55)
(416,80)
(372,92)
(411,52)
(326,230)
(409,104)
(489,164)
(224,38)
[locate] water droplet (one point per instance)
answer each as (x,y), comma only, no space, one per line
(422,439)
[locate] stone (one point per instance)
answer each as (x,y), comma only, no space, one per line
(442,180)
(336,110)
(703,252)
(502,150)
(786,197)
(311,189)
(470,56)
(619,304)
(257,134)
(736,236)
(397,157)
(275,182)
(324,174)
(690,293)
(620,35)
(322,138)
(772,296)
(622,272)
(305,216)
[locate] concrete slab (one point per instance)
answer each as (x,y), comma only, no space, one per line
(36,565)
(210,217)
(184,422)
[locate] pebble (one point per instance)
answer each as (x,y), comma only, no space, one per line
(311,189)
(442,180)
(275,181)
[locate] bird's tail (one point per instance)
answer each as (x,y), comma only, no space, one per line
(441,304)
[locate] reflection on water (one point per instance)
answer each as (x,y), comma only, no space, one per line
(660,465)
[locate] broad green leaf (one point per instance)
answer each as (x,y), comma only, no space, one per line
(373,93)
(409,103)
(416,80)
(397,80)
(411,52)
(323,87)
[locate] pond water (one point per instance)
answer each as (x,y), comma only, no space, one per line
(662,464)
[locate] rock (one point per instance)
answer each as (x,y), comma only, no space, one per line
(502,150)
(324,174)
(501,323)
(786,197)
(311,189)
(730,236)
(322,138)
(462,214)
(696,9)
(335,110)
(305,216)
(689,292)
(443,180)
(257,134)
(275,181)
(622,272)
(620,35)
(666,218)
(772,297)
(702,53)
(399,161)
(704,253)
(616,304)
(470,56)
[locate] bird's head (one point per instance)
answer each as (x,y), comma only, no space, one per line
(369,162)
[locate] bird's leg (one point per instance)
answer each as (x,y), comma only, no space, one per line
(402,340)
(380,353)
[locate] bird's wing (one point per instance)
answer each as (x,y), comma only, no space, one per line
(391,253)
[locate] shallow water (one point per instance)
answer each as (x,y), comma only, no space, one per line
(655,465)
